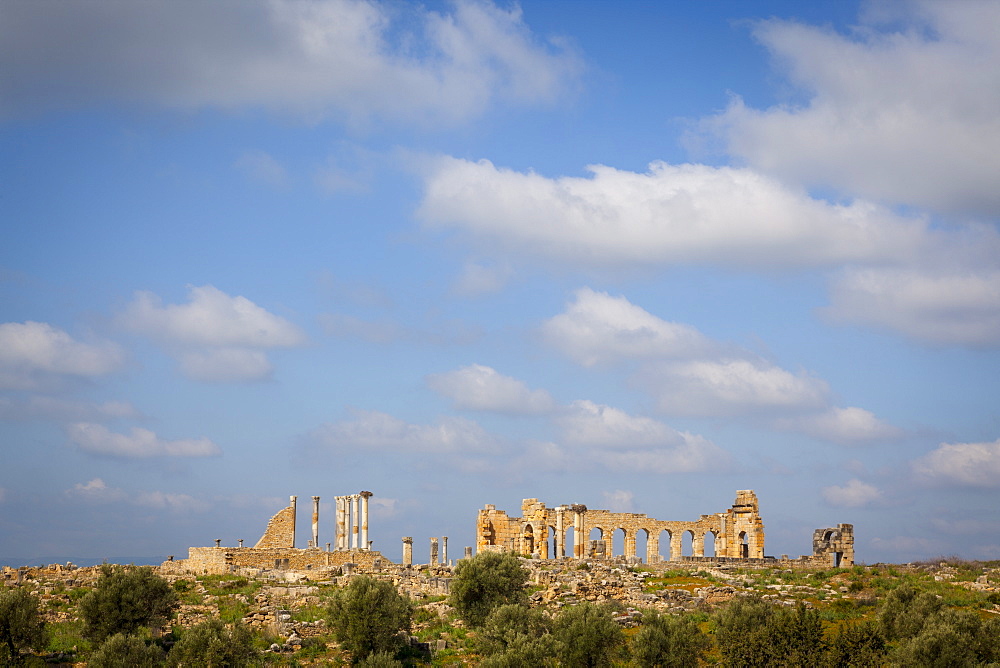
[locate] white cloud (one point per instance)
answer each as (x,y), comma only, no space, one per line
(694,454)
(713,387)
(599,328)
(479,279)
(854,494)
(95,491)
(139,443)
(901,113)
(32,353)
(955,307)
(216,337)
(481,388)
(670,215)
(51,408)
(848,426)
(179,503)
(373,430)
(262,167)
(589,424)
(348,59)
(383,507)
(619,501)
(971,464)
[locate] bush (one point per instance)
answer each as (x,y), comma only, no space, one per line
(665,641)
(214,644)
(858,646)
(122,651)
(510,625)
(485,582)
(126,599)
(20,625)
(752,632)
(587,636)
(368,616)
(380,660)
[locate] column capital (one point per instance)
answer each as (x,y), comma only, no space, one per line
(365,494)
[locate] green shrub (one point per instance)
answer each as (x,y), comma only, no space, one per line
(587,636)
(666,641)
(126,651)
(368,617)
(485,582)
(126,599)
(21,627)
(216,645)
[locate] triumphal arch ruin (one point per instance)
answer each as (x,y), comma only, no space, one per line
(737,533)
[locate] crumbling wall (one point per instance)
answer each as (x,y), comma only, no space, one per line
(280,531)
(834,545)
(220,560)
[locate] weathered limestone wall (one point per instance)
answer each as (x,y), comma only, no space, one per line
(219,560)
(737,533)
(835,545)
(280,531)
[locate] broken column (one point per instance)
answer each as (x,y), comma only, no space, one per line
(560,546)
(407,550)
(434,552)
(444,550)
(315,538)
(364,519)
(292,503)
(468,552)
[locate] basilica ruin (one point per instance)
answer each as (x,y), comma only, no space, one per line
(561,532)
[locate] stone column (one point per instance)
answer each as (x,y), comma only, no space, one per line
(579,535)
(698,546)
(355,500)
(653,547)
(343,533)
(468,552)
(630,542)
(675,545)
(434,552)
(315,540)
(292,502)
(364,519)
(560,546)
(444,550)
(407,550)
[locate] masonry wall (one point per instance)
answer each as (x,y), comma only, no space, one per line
(280,531)
(220,560)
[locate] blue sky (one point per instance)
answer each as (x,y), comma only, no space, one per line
(632,255)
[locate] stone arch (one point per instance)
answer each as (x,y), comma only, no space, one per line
(640,544)
(743,542)
(687,542)
(618,542)
(709,540)
(528,539)
(666,540)
(597,545)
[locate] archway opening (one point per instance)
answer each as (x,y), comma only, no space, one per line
(665,539)
(641,543)
(568,543)
(551,542)
(617,543)
(528,544)
(709,543)
(687,543)
(490,534)
(744,545)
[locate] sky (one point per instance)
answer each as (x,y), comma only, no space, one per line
(633,255)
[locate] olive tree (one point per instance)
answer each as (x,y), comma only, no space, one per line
(214,644)
(125,651)
(126,599)
(668,641)
(588,637)
(487,581)
(368,615)
(21,627)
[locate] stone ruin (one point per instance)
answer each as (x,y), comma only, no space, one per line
(737,534)
(276,548)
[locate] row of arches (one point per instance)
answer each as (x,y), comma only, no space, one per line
(652,546)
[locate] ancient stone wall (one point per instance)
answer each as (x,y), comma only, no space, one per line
(835,545)
(736,533)
(280,531)
(220,560)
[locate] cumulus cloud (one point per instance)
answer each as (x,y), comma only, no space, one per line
(903,109)
(670,215)
(619,501)
(215,336)
(179,503)
(965,464)
(481,388)
(349,59)
(954,307)
(599,328)
(614,440)
(374,430)
(854,494)
(723,386)
(33,354)
(137,444)
(481,279)
(95,491)
(848,426)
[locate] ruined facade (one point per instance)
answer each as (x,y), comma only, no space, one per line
(276,548)
(834,545)
(545,532)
